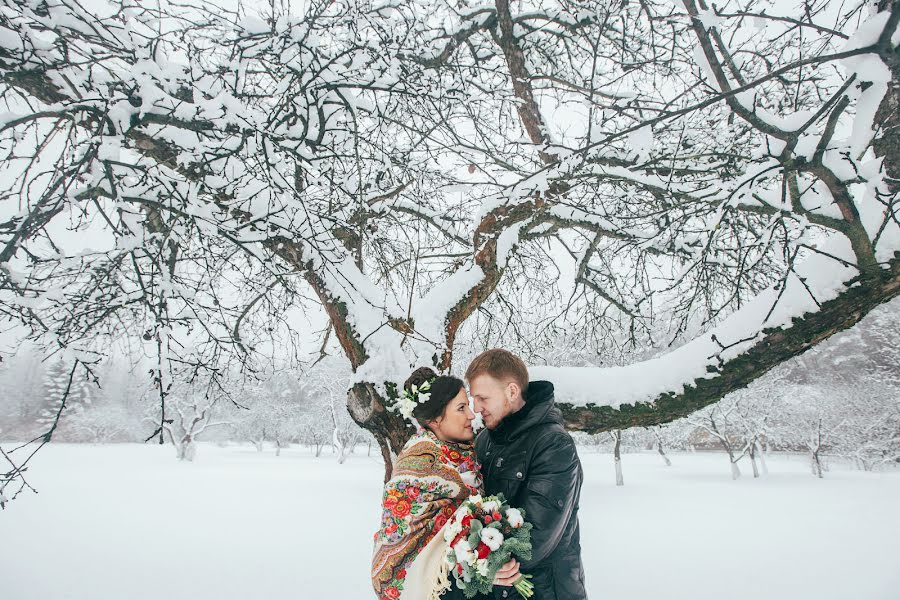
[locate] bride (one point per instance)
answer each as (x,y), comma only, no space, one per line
(433,474)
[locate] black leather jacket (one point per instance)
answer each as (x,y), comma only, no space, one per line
(532,460)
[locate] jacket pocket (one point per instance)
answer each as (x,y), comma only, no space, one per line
(553,495)
(509,474)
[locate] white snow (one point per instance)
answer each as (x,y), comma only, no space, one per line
(430,311)
(131,522)
(868,32)
(641,142)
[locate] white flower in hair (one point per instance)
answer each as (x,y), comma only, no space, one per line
(406,406)
(411,398)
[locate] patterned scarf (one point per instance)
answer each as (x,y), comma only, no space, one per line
(430,480)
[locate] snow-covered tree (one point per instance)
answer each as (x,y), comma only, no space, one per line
(21,385)
(66,389)
(326,385)
(870,435)
(717,423)
(315,430)
(753,408)
(714,186)
(191,415)
(272,411)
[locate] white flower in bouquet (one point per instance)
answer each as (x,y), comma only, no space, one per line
(451,529)
(514,516)
(464,552)
(491,506)
(476,500)
(492,538)
(481,565)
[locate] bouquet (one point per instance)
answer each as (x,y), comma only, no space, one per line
(484,534)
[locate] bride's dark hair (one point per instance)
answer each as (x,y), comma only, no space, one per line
(443,390)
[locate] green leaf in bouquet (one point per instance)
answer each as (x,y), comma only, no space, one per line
(476,526)
(473,539)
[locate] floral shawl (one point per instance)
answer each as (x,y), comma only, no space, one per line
(430,480)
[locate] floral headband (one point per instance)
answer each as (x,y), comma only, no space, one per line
(414,396)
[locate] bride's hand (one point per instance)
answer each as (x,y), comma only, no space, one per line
(508,573)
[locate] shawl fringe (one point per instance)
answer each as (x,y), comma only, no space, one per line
(441,581)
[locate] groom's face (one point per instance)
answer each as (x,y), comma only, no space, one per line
(492,398)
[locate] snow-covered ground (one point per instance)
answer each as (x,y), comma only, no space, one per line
(130,522)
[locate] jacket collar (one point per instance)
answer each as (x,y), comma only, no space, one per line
(539,408)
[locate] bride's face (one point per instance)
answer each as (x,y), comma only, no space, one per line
(455,425)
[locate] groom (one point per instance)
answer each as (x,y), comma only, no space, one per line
(527,455)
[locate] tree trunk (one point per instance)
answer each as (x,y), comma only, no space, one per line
(735,469)
(816,463)
(815,449)
(391,431)
(659,448)
(187,449)
(617,454)
(887,139)
(662,453)
(762,459)
(752,452)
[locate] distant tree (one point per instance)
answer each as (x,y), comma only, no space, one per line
(273,411)
(316,430)
(190,417)
(21,395)
(616,435)
(716,422)
(661,444)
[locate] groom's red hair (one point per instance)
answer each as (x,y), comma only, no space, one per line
(500,364)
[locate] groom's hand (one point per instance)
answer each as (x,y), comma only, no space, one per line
(507,574)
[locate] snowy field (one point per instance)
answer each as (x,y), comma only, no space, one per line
(131,523)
